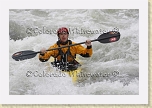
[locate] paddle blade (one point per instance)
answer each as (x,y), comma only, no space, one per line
(109,37)
(22,55)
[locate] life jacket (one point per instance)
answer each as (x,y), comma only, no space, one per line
(67,53)
(63,64)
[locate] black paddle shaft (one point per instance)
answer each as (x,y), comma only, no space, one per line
(108,37)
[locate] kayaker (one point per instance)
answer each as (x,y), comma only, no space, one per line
(65,57)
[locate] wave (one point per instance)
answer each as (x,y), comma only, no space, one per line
(36,29)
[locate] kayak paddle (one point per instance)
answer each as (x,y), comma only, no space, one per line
(111,36)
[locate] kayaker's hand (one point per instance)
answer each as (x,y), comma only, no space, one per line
(43,51)
(88,42)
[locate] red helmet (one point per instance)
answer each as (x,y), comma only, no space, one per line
(62,29)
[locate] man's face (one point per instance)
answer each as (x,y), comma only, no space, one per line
(63,36)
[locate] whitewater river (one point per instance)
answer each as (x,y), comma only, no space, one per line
(117,63)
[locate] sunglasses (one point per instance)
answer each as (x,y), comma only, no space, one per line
(63,33)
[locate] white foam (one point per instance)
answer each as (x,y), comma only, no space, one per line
(106,57)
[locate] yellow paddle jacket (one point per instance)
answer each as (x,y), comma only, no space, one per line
(78,49)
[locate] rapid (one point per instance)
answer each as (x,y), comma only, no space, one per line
(113,68)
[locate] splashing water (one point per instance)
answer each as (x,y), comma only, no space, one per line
(113,68)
